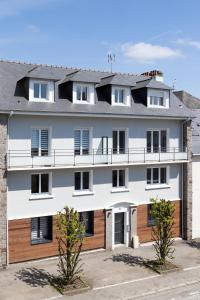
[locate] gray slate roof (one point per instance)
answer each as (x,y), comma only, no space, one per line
(194,104)
(11,72)
(151,83)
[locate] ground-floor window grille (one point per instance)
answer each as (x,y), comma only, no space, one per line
(87,218)
(41,230)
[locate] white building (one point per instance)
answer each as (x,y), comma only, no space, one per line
(101,143)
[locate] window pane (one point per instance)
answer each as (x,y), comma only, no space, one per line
(41,229)
(148,176)
(77,142)
(122,142)
(44,142)
(163,140)
(155,141)
(148,141)
(116,96)
(121,96)
(44,183)
(86,181)
(151,100)
(121,177)
(155,175)
(114,178)
(35,184)
(114,141)
(150,221)
(44,91)
(84,93)
(34,229)
(34,142)
(163,177)
(87,218)
(78,92)
(156,100)
(36,88)
(77,181)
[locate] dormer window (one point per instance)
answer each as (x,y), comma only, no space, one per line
(81,93)
(156,101)
(157,98)
(41,90)
(119,96)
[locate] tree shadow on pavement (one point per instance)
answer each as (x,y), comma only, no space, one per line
(194,244)
(129,259)
(35,277)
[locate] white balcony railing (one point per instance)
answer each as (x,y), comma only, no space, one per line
(56,158)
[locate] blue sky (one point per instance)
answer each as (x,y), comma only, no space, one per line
(143,34)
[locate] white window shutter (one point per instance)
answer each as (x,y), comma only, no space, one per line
(77,140)
(85,140)
(34,228)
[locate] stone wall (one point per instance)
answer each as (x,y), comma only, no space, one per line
(187,183)
(3,190)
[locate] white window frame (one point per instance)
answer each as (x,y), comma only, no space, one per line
(126,139)
(159,184)
(126,96)
(90,138)
(121,188)
(159,130)
(49,138)
(81,85)
(84,191)
(118,90)
(165,94)
(40,194)
(40,82)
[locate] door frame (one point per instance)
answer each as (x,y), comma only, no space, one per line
(124,210)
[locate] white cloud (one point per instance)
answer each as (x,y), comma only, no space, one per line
(148,53)
(32,28)
(15,7)
(188,42)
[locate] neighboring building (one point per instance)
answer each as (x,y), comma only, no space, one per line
(99,142)
(194,104)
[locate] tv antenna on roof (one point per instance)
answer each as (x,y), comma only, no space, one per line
(174,84)
(111,60)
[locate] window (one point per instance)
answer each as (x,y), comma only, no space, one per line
(40,90)
(118,178)
(156,101)
(119,96)
(119,141)
(40,184)
(41,230)
(150,219)
(87,218)
(157,141)
(82,93)
(82,181)
(81,141)
(39,142)
(157,175)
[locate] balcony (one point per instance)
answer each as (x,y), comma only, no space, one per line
(23,159)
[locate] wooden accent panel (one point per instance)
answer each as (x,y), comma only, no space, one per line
(144,231)
(19,239)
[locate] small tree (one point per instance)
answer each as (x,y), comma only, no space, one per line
(70,233)
(163,214)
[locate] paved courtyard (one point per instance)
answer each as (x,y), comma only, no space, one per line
(119,274)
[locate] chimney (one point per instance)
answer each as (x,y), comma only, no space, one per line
(157,75)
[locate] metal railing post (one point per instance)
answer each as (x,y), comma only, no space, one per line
(93,155)
(74,159)
(159,153)
(174,153)
(111,155)
(128,155)
(144,156)
(32,160)
(54,158)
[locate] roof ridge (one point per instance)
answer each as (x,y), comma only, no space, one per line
(72,68)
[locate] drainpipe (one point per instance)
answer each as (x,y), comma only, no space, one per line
(8,135)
